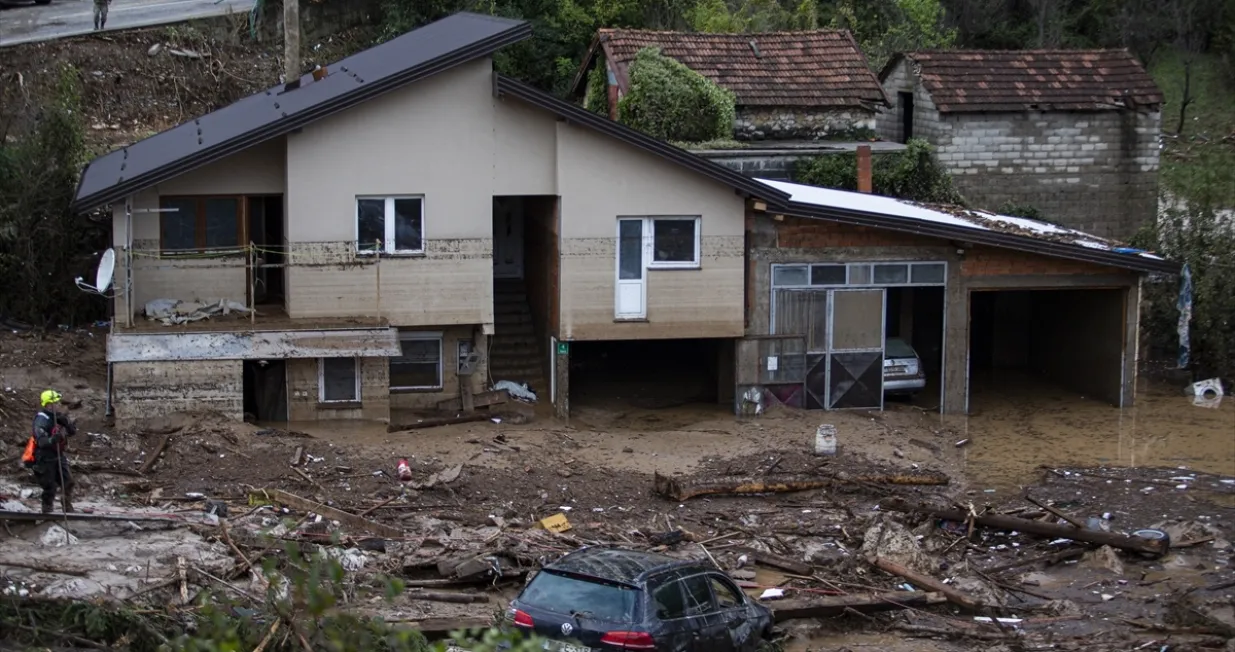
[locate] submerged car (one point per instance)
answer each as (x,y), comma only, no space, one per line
(598,599)
(902,368)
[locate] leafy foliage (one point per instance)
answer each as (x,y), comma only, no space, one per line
(913,174)
(887,27)
(597,100)
(43,245)
(669,101)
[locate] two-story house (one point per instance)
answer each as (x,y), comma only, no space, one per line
(405,223)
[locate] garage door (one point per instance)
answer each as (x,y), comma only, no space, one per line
(844,337)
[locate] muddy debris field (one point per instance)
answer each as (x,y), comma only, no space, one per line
(883,545)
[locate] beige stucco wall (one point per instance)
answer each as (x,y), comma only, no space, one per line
(256,171)
(144,390)
(601,179)
(304,392)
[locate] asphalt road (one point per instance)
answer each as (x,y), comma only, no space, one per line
(61,18)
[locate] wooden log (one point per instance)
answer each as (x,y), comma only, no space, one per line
(447,596)
(154,457)
(684,489)
(351,521)
(927,582)
(1123,542)
(1074,521)
(783,610)
(778,562)
(442,421)
(44,569)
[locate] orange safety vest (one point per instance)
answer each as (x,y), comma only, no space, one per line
(27,458)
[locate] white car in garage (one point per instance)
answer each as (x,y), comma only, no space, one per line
(902,368)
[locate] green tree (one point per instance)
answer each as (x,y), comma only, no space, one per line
(912,174)
(886,27)
(669,101)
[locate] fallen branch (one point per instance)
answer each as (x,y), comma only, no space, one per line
(154,457)
(778,562)
(834,606)
(927,582)
(1056,512)
(1131,544)
(683,489)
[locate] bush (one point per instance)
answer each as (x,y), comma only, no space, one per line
(669,101)
(597,100)
(913,174)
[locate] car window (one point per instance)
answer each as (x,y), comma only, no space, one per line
(569,594)
(698,596)
(726,597)
(669,601)
(895,347)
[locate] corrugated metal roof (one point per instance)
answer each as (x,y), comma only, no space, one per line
(400,61)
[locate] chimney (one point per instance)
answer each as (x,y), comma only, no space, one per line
(612,88)
(319,73)
(864,168)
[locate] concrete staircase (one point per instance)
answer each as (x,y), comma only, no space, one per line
(516,352)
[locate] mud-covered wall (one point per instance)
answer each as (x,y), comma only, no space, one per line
(143,390)
(428,398)
(304,392)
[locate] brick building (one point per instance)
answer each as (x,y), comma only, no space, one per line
(1071,133)
(808,85)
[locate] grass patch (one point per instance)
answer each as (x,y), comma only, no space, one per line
(1198,164)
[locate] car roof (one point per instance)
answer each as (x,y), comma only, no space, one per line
(617,564)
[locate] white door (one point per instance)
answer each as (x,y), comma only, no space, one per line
(631,296)
(508,238)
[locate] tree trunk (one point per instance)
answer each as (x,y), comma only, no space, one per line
(1187,97)
(291,41)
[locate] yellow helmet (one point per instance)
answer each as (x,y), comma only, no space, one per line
(50,396)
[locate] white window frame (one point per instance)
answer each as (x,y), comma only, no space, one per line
(388,241)
(321,382)
(424,335)
(649,235)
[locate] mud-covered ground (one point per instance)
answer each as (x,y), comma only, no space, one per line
(598,471)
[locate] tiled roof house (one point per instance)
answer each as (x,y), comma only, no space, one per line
(1071,133)
(789,85)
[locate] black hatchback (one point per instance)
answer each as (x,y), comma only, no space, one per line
(598,599)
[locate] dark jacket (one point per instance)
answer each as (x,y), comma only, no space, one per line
(50,432)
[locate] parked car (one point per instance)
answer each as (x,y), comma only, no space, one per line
(598,599)
(902,368)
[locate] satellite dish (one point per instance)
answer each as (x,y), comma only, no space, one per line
(107,268)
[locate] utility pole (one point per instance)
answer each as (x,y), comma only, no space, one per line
(291,41)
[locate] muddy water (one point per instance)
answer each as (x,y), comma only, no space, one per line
(1021,424)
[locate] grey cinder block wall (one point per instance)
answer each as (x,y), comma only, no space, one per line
(1096,171)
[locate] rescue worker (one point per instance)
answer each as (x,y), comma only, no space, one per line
(51,466)
(100,14)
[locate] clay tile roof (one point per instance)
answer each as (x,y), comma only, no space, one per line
(1019,80)
(818,68)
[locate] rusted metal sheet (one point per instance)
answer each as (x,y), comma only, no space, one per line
(250,345)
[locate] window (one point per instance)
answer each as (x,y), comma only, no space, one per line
(698,595)
(339,380)
(675,242)
(802,276)
(928,273)
(419,366)
(669,601)
(891,274)
(827,275)
(726,595)
(197,223)
(790,275)
(566,594)
(391,225)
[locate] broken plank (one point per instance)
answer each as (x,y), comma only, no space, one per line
(778,562)
(154,457)
(783,610)
(350,520)
(928,582)
(1155,547)
(435,422)
(683,489)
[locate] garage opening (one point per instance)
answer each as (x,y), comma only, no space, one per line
(650,374)
(265,391)
(1020,340)
(914,317)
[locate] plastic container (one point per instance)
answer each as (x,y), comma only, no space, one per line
(825,440)
(405,471)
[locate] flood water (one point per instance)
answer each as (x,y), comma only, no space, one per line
(1019,423)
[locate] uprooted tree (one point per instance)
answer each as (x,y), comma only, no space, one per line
(43,245)
(671,102)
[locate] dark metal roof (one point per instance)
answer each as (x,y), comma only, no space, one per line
(571,113)
(615,564)
(418,54)
(992,238)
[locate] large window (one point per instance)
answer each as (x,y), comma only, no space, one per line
(419,365)
(675,242)
(851,274)
(339,380)
(199,223)
(390,225)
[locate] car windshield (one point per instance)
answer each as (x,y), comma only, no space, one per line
(567,594)
(895,347)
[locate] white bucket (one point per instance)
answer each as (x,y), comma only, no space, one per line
(825,440)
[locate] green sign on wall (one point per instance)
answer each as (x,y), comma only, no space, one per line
(563,348)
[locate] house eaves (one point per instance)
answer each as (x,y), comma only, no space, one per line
(746,186)
(414,56)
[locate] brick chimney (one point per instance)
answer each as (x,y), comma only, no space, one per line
(864,168)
